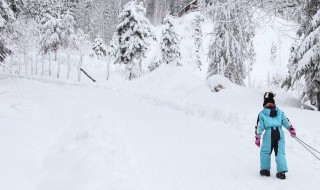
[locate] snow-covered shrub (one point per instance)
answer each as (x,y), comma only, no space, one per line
(98,48)
(170,43)
(218,82)
(277,80)
(156,62)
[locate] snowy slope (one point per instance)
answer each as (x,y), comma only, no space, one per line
(166,130)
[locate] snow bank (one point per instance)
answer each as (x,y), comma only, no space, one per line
(167,130)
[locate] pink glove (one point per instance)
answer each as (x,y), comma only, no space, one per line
(292,132)
(258,138)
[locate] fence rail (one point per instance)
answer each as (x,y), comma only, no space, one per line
(65,67)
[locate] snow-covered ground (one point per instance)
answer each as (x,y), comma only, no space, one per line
(164,131)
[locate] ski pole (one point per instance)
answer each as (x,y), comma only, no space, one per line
(306,146)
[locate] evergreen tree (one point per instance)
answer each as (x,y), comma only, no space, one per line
(56,29)
(305,58)
(170,43)
(231,45)
(198,39)
(98,48)
(6,15)
(133,33)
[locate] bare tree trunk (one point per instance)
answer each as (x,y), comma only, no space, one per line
(218,69)
(49,63)
(36,64)
(32,65)
(249,76)
(11,62)
(19,62)
(55,55)
(42,69)
(58,71)
(79,68)
(25,64)
(140,69)
(108,69)
(69,67)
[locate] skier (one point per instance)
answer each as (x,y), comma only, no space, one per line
(271,119)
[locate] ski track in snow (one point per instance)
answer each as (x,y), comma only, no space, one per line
(71,136)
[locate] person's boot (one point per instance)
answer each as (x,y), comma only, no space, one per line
(281,175)
(265,173)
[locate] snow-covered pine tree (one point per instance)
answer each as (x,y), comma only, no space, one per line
(50,31)
(170,43)
(133,33)
(198,39)
(305,58)
(56,28)
(231,45)
(98,48)
(6,15)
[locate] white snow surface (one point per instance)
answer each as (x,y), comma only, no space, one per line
(164,131)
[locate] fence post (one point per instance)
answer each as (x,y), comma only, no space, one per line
(32,65)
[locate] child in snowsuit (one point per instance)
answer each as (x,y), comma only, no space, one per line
(270,121)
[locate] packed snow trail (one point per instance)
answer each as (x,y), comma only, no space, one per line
(62,137)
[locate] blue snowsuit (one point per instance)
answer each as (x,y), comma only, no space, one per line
(271,121)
